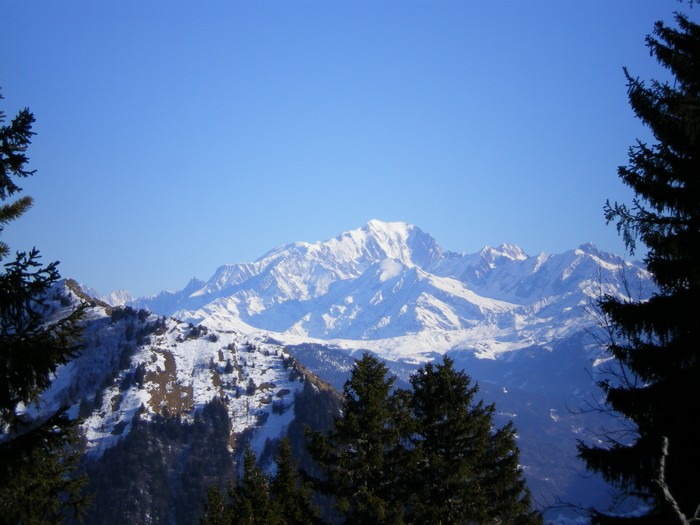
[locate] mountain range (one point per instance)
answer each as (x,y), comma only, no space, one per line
(524,327)
(390,287)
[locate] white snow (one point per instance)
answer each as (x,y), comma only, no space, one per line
(389,269)
(367,285)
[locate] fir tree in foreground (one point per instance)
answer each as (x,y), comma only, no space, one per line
(465,472)
(359,455)
(217,510)
(292,497)
(655,342)
(426,456)
(37,457)
(252,504)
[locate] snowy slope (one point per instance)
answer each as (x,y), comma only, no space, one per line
(136,365)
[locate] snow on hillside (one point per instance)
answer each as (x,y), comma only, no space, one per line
(137,365)
(183,372)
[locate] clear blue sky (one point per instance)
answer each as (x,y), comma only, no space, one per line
(173,137)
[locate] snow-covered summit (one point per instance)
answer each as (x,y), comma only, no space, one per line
(386,240)
(117,298)
(303,270)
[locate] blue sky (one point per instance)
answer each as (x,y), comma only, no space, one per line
(173,137)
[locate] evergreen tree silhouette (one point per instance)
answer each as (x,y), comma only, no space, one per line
(38,457)
(657,386)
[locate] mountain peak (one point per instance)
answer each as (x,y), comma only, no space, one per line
(588,248)
(117,298)
(513,251)
(505,252)
(397,227)
(378,240)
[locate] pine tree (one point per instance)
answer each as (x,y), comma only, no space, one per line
(217,511)
(252,504)
(357,456)
(655,342)
(15,138)
(37,458)
(293,498)
(255,500)
(464,473)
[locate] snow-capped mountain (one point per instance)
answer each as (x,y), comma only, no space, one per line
(117,298)
(385,281)
(114,298)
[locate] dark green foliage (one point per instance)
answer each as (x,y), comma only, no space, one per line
(217,510)
(464,472)
(31,351)
(143,315)
(37,459)
(252,504)
(451,440)
(429,455)
(356,456)
(196,331)
(15,138)
(293,498)
(126,354)
(255,500)
(121,312)
(130,480)
(38,484)
(656,389)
